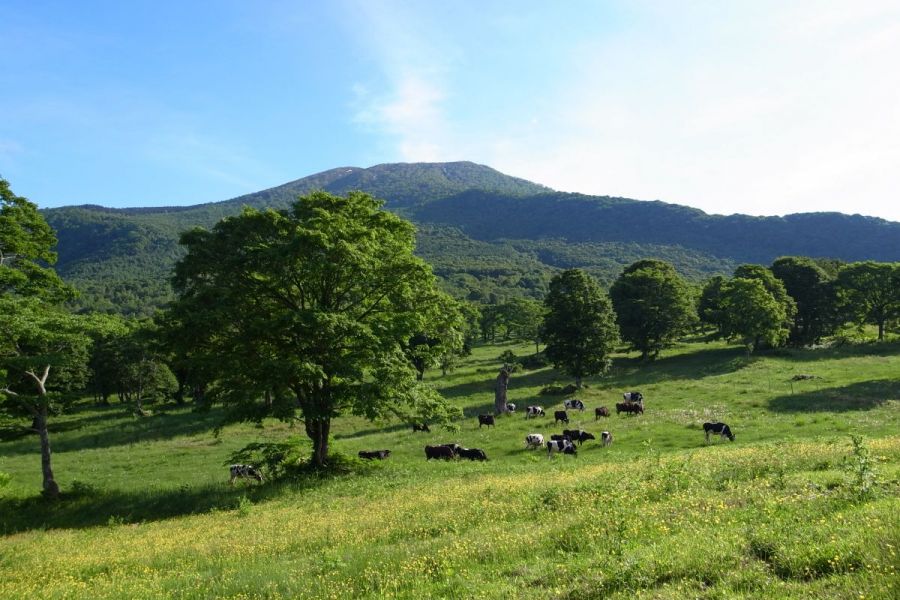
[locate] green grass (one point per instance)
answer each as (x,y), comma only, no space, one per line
(779,513)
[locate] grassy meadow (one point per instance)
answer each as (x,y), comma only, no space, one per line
(791,509)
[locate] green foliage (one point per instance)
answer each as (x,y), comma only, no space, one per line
(653,305)
(810,287)
(750,312)
(861,467)
(869,292)
(26,247)
(307,312)
(579,328)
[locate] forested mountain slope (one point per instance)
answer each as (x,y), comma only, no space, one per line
(488,235)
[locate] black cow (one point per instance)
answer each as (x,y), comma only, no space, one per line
(629,407)
(718,428)
(439,452)
(578,435)
(560,415)
(534,411)
(244,472)
(559,437)
(370,454)
(561,446)
(601,411)
(485,420)
(472,453)
(423,427)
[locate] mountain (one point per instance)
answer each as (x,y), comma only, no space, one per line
(486,234)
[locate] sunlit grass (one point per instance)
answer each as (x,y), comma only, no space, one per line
(659,514)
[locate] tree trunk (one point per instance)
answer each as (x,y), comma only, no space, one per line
(881,331)
(317,430)
(500,391)
(578,381)
(51,489)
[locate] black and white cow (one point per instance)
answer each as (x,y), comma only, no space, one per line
(606,438)
(534,411)
(510,407)
(559,437)
(244,472)
(420,427)
(578,435)
(573,404)
(560,415)
(472,453)
(436,452)
(372,454)
(485,420)
(719,429)
(561,447)
(534,440)
(633,397)
(454,447)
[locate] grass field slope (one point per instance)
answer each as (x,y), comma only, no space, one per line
(803,504)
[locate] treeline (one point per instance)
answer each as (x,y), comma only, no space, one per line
(322,310)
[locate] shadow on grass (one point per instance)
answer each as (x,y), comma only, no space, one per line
(127,430)
(90,507)
(865,395)
(633,372)
(891,348)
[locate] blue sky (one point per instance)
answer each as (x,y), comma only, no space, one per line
(759,107)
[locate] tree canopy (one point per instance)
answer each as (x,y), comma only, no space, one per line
(309,311)
(870,292)
(579,328)
(653,306)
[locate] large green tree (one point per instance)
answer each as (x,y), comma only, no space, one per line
(309,311)
(579,328)
(43,349)
(751,313)
(870,292)
(653,306)
(812,290)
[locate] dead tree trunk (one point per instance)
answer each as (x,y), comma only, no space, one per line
(51,488)
(500,391)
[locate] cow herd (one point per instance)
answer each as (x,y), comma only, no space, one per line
(566,442)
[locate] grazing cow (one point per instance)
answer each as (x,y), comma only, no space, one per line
(578,435)
(370,454)
(718,428)
(560,415)
(485,420)
(423,427)
(443,452)
(629,407)
(472,453)
(534,411)
(606,438)
(244,472)
(562,447)
(601,411)
(534,440)
(633,397)
(574,404)
(558,437)
(510,407)
(454,447)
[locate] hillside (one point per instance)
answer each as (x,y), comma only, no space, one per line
(780,512)
(488,235)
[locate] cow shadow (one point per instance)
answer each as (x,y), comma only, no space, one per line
(864,395)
